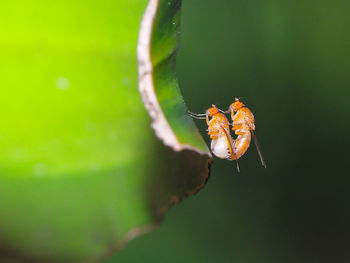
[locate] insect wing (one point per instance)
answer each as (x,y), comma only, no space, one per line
(258,149)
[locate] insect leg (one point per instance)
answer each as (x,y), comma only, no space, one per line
(198,117)
(237,126)
(224,122)
(196,114)
(237,165)
(230,143)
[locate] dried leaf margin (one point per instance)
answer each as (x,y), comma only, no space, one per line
(147,87)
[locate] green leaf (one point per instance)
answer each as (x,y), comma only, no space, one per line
(81,170)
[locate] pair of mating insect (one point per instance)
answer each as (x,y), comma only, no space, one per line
(243,124)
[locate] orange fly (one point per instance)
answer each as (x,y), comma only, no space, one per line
(243,124)
(219,132)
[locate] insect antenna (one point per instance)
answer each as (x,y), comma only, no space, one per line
(258,149)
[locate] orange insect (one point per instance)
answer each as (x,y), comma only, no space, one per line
(219,132)
(243,124)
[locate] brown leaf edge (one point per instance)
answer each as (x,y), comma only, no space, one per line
(159,123)
(146,85)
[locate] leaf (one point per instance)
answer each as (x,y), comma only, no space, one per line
(81,171)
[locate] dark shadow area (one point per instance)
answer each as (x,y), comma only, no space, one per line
(176,175)
(289,61)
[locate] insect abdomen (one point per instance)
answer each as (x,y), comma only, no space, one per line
(220,148)
(241,144)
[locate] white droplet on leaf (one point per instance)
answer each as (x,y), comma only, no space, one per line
(62,83)
(125,81)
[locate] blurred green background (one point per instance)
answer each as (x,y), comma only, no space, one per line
(290,63)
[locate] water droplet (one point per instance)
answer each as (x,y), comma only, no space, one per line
(125,81)
(62,83)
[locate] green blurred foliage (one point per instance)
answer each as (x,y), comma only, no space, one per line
(62,174)
(290,62)
(81,170)
(47,50)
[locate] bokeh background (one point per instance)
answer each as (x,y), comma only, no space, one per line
(290,63)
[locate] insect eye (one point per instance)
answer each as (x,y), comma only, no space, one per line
(213,111)
(238,104)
